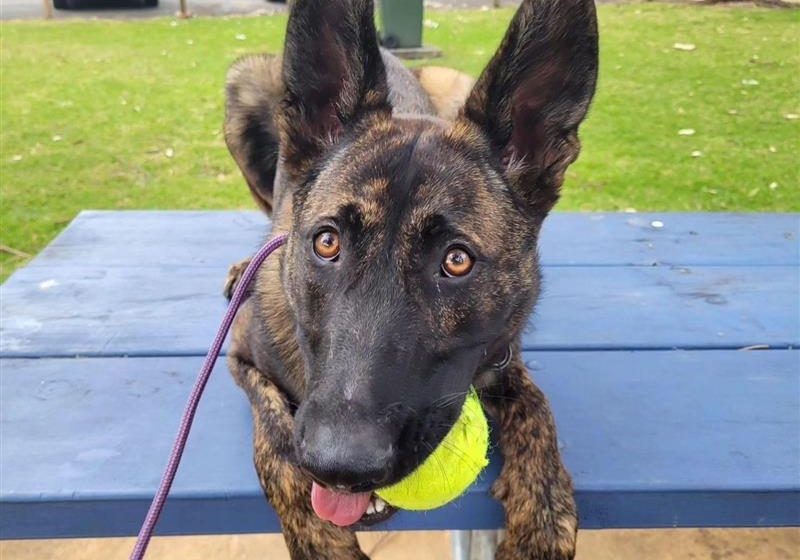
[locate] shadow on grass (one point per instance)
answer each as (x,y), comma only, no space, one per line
(103,5)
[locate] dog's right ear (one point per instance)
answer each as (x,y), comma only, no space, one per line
(333,75)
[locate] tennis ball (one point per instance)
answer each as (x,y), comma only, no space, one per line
(451,468)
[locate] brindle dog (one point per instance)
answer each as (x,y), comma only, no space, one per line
(413,204)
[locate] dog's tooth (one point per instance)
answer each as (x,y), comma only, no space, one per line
(380,505)
(371,509)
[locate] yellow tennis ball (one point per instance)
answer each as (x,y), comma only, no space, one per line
(451,468)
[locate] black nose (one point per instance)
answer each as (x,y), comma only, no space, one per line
(355,458)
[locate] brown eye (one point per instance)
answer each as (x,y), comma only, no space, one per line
(456,263)
(326,245)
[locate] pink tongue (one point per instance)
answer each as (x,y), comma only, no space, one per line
(339,509)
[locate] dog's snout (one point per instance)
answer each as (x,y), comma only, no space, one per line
(353,458)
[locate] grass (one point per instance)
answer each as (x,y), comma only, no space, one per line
(102,114)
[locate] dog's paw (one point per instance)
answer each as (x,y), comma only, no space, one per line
(510,550)
(234,275)
(553,540)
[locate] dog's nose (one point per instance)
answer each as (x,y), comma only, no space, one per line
(356,460)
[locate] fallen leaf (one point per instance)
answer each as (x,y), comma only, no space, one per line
(56,138)
(47,284)
(697,153)
(430,24)
(686,132)
(16,157)
(749,82)
(733,112)
(791,116)
(688,47)
(753,192)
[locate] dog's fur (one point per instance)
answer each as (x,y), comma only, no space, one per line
(356,369)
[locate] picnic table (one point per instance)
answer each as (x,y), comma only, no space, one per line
(667,344)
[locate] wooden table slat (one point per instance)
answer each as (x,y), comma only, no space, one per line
(194,238)
(653,439)
(154,311)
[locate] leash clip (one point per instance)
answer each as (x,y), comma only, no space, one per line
(503,364)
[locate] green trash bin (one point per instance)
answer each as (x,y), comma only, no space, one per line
(401,24)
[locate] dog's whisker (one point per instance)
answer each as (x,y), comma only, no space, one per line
(446,400)
(459,453)
(504,398)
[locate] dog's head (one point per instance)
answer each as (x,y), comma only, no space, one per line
(412,259)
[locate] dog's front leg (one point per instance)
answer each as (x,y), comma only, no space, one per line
(287,488)
(534,487)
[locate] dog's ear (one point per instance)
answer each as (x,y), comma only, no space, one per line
(253,91)
(535,92)
(333,74)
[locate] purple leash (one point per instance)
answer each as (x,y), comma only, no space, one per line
(146,532)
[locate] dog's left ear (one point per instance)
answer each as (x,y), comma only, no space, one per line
(333,75)
(535,92)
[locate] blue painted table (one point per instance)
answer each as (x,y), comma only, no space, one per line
(667,344)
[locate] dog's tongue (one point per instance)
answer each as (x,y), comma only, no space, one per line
(338,508)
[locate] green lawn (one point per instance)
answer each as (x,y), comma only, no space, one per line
(128,114)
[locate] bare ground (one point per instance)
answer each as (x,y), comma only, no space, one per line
(683,544)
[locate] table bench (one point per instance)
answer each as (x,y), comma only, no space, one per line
(667,344)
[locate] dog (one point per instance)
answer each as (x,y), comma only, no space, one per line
(413,202)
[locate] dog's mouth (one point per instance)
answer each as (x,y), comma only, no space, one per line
(349,509)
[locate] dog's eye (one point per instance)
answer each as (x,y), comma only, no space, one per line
(326,245)
(457,263)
